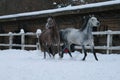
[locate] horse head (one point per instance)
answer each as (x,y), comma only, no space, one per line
(94,21)
(51,22)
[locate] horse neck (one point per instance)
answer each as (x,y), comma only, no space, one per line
(54,31)
(84,25)
(88,29)
(55,34)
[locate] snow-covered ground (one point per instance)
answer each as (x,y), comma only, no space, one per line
(30,65)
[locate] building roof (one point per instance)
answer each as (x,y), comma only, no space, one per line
(80,9)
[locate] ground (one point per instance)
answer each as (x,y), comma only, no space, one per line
(30,65)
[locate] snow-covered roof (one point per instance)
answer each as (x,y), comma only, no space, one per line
(68,8)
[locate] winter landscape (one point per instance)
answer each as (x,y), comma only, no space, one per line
(18,64)
(30,65)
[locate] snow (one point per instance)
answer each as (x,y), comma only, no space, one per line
(22,31)
(39,31)
(54,3)
(68,8)
(30,65)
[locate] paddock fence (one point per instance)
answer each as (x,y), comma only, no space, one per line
(108,47)
(109,40)
(22,35)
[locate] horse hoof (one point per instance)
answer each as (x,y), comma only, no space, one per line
(83,59)
(61,57)
(96,59)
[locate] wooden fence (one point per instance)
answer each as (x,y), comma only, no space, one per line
(109,41)
(22,34)
(107,47)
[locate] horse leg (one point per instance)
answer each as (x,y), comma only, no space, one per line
(44,52)
(58,49)
(70,54)
(43,46)
(62,54)
(85,54)
(48,50)
(44,55)
(52,51)
(94,53)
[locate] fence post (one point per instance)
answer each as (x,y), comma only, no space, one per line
(111,37)
(22,39)
(10,40)
(109,41)
(37,46)
(38,32)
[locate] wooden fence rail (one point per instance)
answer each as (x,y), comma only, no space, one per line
(110,35)
(22,34)
(107,47)
(109,40)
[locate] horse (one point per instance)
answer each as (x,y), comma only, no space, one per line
(49,38)
(82,36)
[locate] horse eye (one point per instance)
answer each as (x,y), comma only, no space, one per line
(92,19)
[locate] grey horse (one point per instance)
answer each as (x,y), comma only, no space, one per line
(82,36)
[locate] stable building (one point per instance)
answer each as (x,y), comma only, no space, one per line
(70,16)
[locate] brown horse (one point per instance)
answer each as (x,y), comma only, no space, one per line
(50,38)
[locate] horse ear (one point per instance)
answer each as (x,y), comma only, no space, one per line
(90,15)
(49,16)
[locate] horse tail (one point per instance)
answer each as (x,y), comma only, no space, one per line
(60,33)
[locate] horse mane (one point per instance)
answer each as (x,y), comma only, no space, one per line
(85,20)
